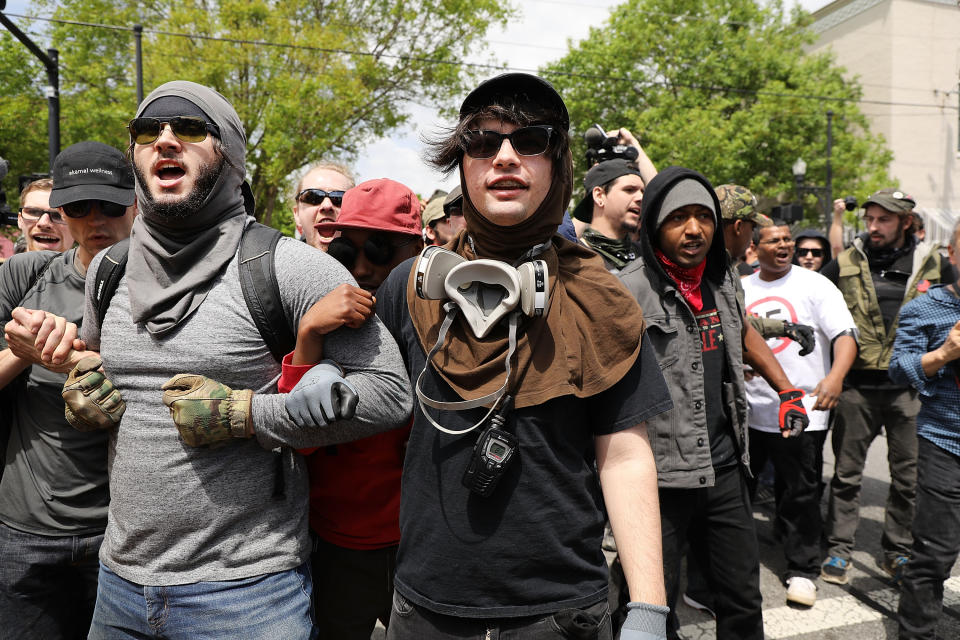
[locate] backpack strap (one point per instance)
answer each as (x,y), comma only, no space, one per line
(111,269)
(258,279)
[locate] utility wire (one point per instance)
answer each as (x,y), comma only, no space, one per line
(567,74)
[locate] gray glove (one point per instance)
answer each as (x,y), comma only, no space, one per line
(322,396)
(645,622)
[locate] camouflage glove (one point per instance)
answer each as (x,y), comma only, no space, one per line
(645,622)
(322,396)
(206,411)
(92,403)
(802,334)
(793,417)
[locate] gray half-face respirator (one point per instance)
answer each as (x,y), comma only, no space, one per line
(484,292)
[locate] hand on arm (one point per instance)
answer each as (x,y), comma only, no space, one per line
(828,390)
(40,337)
(346,305)
(949,351)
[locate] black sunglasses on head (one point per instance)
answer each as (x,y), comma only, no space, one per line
(526,141)
(315,197)
(186,128)
(377,248)
(816,253)
(81,208)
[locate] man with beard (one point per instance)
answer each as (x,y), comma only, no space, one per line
(614,191)
(318,198)
(683,282)
(207,531)
(883,270)
(797,295)
(502,517)
(43,228)
(53,495)
(442,217)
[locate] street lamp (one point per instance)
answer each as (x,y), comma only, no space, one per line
(823,193)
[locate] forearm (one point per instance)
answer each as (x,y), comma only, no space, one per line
(757,354)
(10,367)
(628,477)
(844,355)
(646,167)
(835,233)
(309,349)
(933,361)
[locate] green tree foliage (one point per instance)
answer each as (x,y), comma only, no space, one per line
(724,87)
(337,74)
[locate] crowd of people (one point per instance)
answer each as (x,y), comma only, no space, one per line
(427,413)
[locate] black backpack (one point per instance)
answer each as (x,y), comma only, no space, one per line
(258,279)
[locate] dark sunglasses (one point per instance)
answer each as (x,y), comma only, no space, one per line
(34,213)
(526,141)
(816,253)
(186,128)
(377,248)
(316,196)
(81,208)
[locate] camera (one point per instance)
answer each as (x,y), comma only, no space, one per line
(602,147)
(7,215)
(850,202)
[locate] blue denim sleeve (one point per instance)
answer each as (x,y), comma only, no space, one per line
(908,349)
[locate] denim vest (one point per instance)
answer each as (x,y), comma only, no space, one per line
(681,447)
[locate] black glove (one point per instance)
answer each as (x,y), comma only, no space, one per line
(802,334)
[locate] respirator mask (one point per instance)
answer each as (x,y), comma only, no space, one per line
(484,292)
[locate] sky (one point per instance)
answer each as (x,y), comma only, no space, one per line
(539,34)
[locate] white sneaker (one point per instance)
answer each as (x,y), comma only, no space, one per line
(801,590)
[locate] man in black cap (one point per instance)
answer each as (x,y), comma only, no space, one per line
(501,516)
(884,269)
(53,495)
(614,191)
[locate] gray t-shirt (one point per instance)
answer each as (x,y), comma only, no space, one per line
(55,477)
(181,514)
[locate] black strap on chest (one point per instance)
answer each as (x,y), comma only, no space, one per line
(258,281)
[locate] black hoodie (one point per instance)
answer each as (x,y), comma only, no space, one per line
(653,197)
(819,237)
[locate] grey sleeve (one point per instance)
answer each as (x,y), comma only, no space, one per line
(90,329)
(16,278)
(369,356)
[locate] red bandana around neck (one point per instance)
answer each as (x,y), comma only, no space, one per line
(688,280)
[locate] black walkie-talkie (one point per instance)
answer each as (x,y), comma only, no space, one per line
(492,454)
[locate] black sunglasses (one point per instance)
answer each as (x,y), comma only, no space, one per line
(186,128)
(816,253)
(34,213)
(316,196)
(377,248)
(81,208)
(526,141)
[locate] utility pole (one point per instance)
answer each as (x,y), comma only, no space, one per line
(50,60)
(138,38)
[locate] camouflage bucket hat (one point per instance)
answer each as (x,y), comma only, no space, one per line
(738,203)
(893,200)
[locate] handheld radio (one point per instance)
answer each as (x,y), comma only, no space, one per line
(493,452)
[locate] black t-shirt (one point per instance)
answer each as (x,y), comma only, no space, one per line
(713,350)
(533,547)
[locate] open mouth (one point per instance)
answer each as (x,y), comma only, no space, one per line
(326,235)
(169,171)
(507,184)
(45,240)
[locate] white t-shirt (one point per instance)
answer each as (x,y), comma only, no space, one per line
(804,297)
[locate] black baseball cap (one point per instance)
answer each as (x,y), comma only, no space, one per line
(601,174)
(91,171)
(526,86)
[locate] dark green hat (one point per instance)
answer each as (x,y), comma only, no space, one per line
(893,200)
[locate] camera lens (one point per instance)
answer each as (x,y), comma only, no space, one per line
(850,202)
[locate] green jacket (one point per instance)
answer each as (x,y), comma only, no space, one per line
(856,284)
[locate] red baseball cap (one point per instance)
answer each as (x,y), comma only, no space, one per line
(382,204)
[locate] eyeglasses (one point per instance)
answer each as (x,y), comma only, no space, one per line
(35,213)
(186,128)
(526,141)
(81,208)
(775,241)
(316,196)
(377,248)
(816,253)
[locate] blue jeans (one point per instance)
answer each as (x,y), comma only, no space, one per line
(270,606)
(936,541)
(47,584)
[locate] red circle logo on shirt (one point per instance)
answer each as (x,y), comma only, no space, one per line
(774,307)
